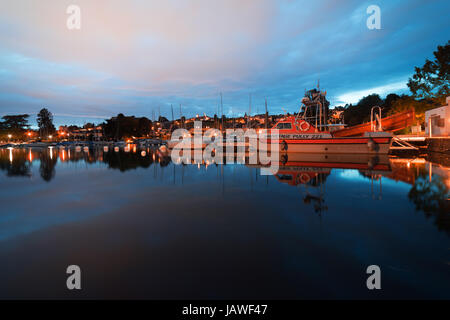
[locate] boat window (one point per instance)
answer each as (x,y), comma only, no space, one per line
(284,125)
(284,177)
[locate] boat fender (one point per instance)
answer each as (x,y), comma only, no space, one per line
(371,144)
(284,159)
(372,162)
(284,145)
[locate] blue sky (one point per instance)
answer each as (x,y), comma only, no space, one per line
(138,56)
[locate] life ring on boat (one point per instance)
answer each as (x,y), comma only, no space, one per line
(302,126)
(284,145)
(303,178)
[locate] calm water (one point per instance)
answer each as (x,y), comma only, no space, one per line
(140,226)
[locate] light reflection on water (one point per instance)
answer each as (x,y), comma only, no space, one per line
(141,226)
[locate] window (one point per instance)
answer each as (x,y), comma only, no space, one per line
(284,177)
(284,125)
(437,121)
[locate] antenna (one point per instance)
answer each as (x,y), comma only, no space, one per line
(171,107)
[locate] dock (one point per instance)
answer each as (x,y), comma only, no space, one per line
(421,143)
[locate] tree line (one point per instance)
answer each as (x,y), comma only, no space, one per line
(16,127)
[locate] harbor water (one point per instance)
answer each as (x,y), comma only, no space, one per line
(142,227)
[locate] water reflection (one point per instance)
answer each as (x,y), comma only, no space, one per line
(15,162)
(430,195)
(133,218)
(48,160)
(430,182)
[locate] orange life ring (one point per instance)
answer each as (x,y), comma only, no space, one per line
(302,128)
(304,178)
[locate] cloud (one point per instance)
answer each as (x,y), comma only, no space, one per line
(138,56)
(355,96)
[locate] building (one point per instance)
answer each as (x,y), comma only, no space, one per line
(75,133)
(439,120)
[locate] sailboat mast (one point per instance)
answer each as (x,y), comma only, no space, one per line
(267,115)
(249,109)
(221,105)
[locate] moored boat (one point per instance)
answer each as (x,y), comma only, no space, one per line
(309,131)
(298,135)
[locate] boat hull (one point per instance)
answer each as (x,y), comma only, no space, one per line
(360,145)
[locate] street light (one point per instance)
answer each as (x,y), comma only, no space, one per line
(50,136)
(9,137)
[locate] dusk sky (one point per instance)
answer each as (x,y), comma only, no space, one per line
(137,56)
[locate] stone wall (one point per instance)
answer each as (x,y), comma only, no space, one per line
(441,145)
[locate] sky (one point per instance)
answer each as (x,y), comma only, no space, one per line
(140,57)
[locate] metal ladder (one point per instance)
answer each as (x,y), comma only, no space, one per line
(402,145)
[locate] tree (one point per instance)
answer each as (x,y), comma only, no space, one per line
(125,127)
(360,113)
(389,103)
(45,123)
(18,122)
(15,124)
(432,80)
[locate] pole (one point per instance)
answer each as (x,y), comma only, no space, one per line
(181,116)
(249,109)
(221,105)
(429,128)
(267,115)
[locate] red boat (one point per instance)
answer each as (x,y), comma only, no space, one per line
(298,135)
(309,131)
